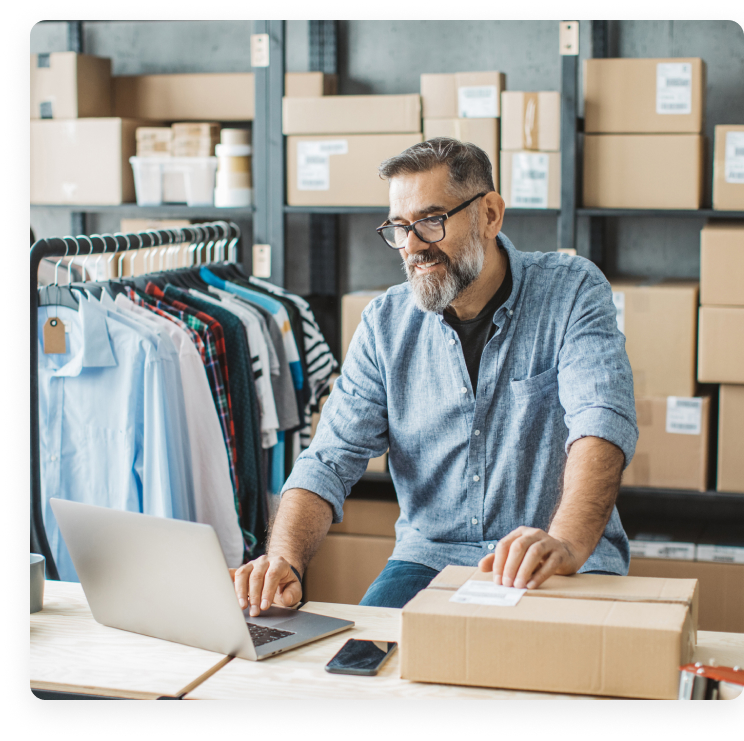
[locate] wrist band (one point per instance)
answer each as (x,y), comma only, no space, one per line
(296,573)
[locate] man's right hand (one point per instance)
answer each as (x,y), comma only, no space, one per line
(265,581)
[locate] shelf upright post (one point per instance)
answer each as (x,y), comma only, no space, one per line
(268,148)
(569,53)
(75,43)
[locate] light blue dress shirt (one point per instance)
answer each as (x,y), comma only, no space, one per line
(105,422)
(470,469)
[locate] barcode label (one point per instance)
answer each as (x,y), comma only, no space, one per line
(684,415)
(618,298)
(720,553)
(529,186)
(734,165)
(655,549)
(314,165)
(480,101)
(674,88)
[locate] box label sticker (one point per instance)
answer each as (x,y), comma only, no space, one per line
(734,167)
(314,165)
(674,88)
(684,416)
(478,101)
(655,549)
(529,187)
(720,553)
(487,593)
(618,298)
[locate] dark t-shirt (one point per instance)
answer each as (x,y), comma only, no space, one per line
(475,333)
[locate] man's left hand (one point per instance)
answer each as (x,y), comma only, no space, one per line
(527,556)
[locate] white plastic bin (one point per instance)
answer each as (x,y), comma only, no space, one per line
(159,180)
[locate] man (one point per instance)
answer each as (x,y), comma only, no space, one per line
(499,382)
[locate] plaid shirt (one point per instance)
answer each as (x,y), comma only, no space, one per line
(217,378)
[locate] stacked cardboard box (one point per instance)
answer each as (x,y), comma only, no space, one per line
(530,149)
(465,106)
(728,168)
(659,321)
(195,139)
(721,341)
(643,120)
(154,141)
(336,143)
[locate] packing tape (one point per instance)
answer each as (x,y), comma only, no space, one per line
(531,126)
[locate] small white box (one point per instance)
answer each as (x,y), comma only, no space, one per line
(197,173)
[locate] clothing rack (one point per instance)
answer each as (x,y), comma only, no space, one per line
(201,236)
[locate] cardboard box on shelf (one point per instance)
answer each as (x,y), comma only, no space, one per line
(731,439)
(722,264)
(196,130)
(368,517)
(531,179)
(483,132)
(531,121)
(69,85)
(82,161)
(601,631)
(352,306)
(659,321)
(344,567)
(352,114)
(185,97)
(130,226)
(673,443)
(721,588)
(728,168)
(643,171)
(462,95)
(644,96)
(309,84)
(341,170)
(721,344)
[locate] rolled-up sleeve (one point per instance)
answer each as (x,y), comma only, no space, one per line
(595,382)
(353,426)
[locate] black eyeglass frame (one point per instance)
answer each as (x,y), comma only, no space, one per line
(439,217)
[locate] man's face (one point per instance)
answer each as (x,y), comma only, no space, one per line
(442,271)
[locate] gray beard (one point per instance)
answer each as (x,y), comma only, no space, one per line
(434,293)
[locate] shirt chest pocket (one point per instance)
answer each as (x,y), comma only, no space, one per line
(543,384)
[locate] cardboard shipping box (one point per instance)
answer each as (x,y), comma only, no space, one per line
(185,97)
(722,264)
(83,161)
(69,85)
(352,114)
(307,84)
(728,168)
(721,588)
(368,517)
(659,321)
(673,443)
(531,121)
(731,440)
(483,132)
(644,96)
(643,171)
(344,567)
(352,306)
(341,170)
(531,179)
(721,344)
(462,95)
(585,634)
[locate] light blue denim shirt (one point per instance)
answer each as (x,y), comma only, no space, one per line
(470,469)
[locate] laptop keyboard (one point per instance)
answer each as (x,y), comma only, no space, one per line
(262,635)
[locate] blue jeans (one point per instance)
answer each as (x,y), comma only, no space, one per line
(400,581)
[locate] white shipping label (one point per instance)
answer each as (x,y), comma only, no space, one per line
(487,593)
(618,298)
(674,88)
(720,553)
(313,163)
(734,167)
(654,549)
(529,186)
(478,101)
(684,416)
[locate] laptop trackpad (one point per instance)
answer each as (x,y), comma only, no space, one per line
(271,618)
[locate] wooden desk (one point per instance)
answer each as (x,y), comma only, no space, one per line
(71,652)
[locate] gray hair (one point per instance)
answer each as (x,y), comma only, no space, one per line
(470,170)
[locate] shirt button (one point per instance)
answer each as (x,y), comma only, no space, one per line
(452,342)
(490,546)
(476,433)
(463,390)
(474,520)
(476,478)
(511,313)
(52,457)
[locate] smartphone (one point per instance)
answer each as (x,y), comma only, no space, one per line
(361,657)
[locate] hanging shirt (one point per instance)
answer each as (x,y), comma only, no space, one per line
(103,423)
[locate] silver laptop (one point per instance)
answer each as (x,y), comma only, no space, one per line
(168,579)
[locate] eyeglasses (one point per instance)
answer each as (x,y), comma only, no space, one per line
(429,230)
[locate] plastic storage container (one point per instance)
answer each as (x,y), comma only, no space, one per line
(159,180)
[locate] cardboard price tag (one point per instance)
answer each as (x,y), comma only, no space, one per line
(54,337)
